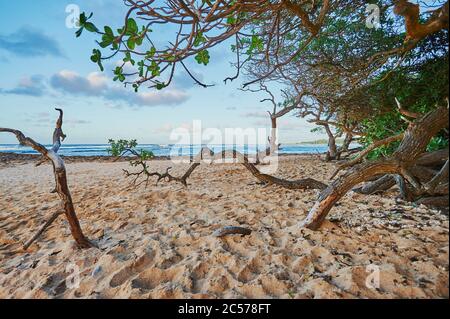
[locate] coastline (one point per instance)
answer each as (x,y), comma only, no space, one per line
(10,158)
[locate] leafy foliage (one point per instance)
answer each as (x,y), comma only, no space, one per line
(124,147)
(335,66)
(419,89)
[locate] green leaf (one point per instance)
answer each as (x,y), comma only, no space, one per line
(154,69)
(132,27)
(109,31)
(117,148)
(199,39)
(231,20)
(128,58)
(82,18)
(79,32)
(90,27)
(202,57)
(131,44)
(151,52)
(97,58)
(107,38)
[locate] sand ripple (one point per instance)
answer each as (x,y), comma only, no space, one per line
(157,243)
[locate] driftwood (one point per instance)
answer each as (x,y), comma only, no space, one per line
(59,170)
(231,230)
(207,155)
(382,174)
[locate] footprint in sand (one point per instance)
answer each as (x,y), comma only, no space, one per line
(129,271)
(153,277)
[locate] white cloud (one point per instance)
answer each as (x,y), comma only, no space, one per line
(30,86)
(256,114)
(97,84)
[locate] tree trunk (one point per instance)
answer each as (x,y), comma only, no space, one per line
(63,191)
(414,143)
(273,136)
(332,148)
(59,170)
(344,147)
(379,185)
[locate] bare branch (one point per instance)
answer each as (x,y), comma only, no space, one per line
(366,151)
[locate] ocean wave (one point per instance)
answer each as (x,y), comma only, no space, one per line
(163,149)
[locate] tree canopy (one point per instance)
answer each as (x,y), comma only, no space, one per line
(384,83)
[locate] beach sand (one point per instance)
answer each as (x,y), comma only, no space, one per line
(157,242)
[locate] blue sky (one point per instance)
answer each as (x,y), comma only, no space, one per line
(43,65)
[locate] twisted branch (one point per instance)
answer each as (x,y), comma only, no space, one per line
(59,171)
(306,183)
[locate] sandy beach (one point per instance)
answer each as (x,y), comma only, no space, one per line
(157,242)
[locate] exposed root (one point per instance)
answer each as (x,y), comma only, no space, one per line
(413,145)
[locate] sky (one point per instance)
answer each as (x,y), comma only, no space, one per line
(43,66)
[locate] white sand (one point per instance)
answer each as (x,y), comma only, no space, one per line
(157,243)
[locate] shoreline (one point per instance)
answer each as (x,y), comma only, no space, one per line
(7,158)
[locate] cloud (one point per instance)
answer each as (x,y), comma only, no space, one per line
(256,114)
(30,86)
(169,128)
(92,85)
(28,42)
(184,81)
(286,125)
(75,121)
(97,84)
(46,119)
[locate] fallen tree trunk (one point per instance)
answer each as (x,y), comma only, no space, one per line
(414,142)
(437,201)
(423,170)
(59,170)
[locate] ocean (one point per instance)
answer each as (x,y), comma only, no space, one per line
(162,150)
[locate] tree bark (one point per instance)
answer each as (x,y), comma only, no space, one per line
(273,135)
(332,148)
(379,185)
(59,170)
(414,143)
(345,145)
(305,183)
